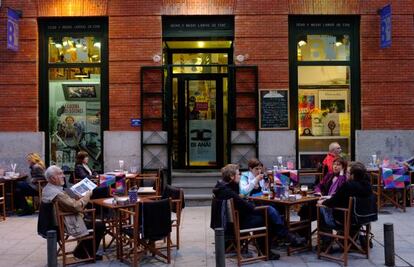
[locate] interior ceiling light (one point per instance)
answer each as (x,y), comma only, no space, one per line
(338,44)
(201,44)
(59,46)
(97,45)
(302,43)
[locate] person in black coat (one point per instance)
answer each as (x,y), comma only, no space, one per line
(82,169)
(358,185)
(228,188)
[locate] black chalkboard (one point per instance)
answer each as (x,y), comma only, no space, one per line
(274,109)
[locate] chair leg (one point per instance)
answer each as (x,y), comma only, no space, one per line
(169,249)
(178,236)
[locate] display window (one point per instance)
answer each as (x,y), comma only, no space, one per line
(325,82)
(73,90)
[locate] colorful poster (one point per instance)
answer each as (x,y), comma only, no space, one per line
(71,123)
(307,103)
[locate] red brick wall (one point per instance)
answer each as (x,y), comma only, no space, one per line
(261,28)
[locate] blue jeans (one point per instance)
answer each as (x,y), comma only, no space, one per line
(328,217)
(277,221)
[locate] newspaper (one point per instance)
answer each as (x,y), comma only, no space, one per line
(82,187)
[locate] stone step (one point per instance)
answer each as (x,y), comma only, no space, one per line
(197,200)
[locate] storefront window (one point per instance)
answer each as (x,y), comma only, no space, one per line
(323,48)
(325,81)
(75,115)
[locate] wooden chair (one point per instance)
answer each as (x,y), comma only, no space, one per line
(250,234)
(177,204)
(388,195)
(66,238)
(411,189)
(40,184)
(151,233)
(343,236)
(129,235)
(3,201)
(141,179)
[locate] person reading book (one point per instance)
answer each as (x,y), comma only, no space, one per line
(54,193)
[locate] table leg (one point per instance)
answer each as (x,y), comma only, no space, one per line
(287,220)
(12,196)
(309,231)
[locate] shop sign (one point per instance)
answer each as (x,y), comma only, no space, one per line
(13,29)
(135,122)
(198,26)
(385,13)
(202,140)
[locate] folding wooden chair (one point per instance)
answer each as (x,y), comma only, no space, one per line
(346,235)
(177,204)
(65,238)
(3,201)
(129,235)
(249,234)
(390,185)
(151,233)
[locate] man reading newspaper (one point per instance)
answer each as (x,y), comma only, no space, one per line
(54,193)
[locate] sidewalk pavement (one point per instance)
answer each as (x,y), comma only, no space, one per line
(21,246)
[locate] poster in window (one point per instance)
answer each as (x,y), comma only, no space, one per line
(307,102)
(335,103)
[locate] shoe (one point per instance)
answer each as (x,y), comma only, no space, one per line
(274,256)
(21,212)
(98,257)
(295,240)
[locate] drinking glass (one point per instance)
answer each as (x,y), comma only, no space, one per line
(121,165)
(304,190)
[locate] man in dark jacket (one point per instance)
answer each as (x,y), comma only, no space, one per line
(228,188)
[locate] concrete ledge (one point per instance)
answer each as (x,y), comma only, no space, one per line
(277,143)
(14,146)
(124,145)
(383,143)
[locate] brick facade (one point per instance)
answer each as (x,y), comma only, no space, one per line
(261,31)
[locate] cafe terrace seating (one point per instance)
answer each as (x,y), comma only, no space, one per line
(141,228)
(389,185)
(353,233)
(224,215)
(65,238)
(177,204)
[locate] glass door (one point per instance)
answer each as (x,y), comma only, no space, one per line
(199,121)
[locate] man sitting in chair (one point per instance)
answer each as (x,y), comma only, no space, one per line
(228,188)
(54,193)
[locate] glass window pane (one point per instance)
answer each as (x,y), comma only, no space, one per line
(200,59)
(74,50)
(75,116)
(323,75)
(323,48)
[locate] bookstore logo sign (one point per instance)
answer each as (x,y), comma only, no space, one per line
(13,17)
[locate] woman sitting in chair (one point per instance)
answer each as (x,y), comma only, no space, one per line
(82,169)
(327,187)
(29,187)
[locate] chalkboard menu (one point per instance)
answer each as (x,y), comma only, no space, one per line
(274,108)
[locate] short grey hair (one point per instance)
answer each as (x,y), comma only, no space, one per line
(51,171)
(332,146)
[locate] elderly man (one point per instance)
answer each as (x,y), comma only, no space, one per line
(334,153)
(54,193)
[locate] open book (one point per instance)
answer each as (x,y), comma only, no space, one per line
(82,187)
